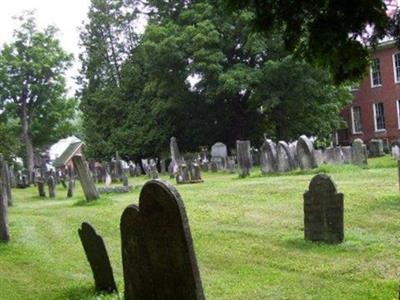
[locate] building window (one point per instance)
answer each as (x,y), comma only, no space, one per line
(356,119)
(375,73)
(396,67)
(379,117)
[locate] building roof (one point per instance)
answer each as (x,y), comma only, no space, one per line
(68,153)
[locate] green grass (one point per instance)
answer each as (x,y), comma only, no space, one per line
(248,236)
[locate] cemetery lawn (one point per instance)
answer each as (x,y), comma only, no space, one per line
(248,236)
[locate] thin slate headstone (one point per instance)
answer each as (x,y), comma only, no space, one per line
(346,151)
(358,153)
(244,158)
(318,156)
(158,256)
(333,155)
(96,254)
(89,189)
(305,153)
(376,148)
(323,211)
(51,183)
(4,228)
(284,157)
(268,157)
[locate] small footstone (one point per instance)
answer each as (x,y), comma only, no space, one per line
(97,256)
(158,258)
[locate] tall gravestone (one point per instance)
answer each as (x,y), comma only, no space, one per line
(158,257)
(51,183)
(305,153)
(4,228)
(284,157)
(97,256)
(244,158)
(293,154)
(88,186)
(176,157)
(358,153)
(323,211)
(268,157)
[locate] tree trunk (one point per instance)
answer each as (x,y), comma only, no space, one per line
(27,139)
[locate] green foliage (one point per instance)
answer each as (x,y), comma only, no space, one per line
(10,143)
(32,84)
(332,34)
(201,75)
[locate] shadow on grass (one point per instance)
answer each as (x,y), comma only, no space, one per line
(103,200)
(86,293)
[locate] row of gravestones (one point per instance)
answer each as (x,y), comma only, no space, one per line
(158,257)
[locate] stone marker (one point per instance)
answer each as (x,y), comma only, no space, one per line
(97,256)
(176,158)
(40,185)
(89,189)
(51,183)
(305,153)
(293,154)
(268,157)
(124,178)
(219,153)
(358,153)
(323,211)
(231,164)
(346,152)
(182,176)
(318,156)
(158,257)
(284,157)
(195,173)
(4,229)
(7,177)
(333,155)
(243,158)
(396,152)
(375,148)
(70,191)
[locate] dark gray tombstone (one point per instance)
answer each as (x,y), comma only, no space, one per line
(125,181)
(4,229)
(195,173)
(323,211)
(375,148)
(213,166)
(182,176)
(358,153)
(268,157)
(97,256)
(153,172)
(51,183)
(318,157)
(284,157)
(244,158)
(305,153)
(231,164)
(89,189)
(41,189)
(176,157)
(158,256)
(163,166)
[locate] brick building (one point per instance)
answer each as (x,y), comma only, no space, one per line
(375,109)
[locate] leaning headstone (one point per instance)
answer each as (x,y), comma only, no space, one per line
(244,158)
(375,148)
(97,256)
(346,152)
(268,157)
(284,157)
(358,153)
(323,211)
(89,189)
(158,256)
(176,157)
(51,183)
(305,153)
(4,229)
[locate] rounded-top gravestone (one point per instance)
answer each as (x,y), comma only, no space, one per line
(284,157)
(305,153)
(268,157)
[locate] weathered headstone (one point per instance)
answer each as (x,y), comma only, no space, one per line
(346,152)
(153,172)
(176,157)
(305,153)
(51,183)
(231,164)
(124,179)
(375,148)
(318,156)
(243,158)
(41,189)
(158,257)
(333,155)
(268,157)
(219,152)
(163,168)
(213,167)
(4,229)
(293,154)
(358,153)
(195,173)
(396,152)
(97,256)
(323,211)
(182,176)
(89,189)
(284,157)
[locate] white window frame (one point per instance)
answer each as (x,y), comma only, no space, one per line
(353,124)
(398,113)
(380,75)
(394,67)
(375,121)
